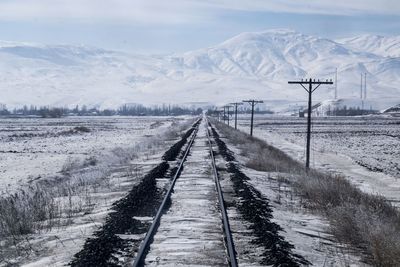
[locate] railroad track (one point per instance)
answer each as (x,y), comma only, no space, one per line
(191,226)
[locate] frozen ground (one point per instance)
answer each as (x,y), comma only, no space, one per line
(308,232)
(89,191)
(365,149)
(34,148)
(57,246)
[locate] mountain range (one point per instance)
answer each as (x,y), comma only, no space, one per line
(249,65)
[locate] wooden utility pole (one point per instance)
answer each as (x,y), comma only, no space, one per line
(310,90)
(236,104)
(218,112)
(365,86)
(336,84)
(361,95)
(224,114)
(361,86)
(253,103)
(227,108)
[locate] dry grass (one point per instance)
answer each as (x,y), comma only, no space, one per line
(20,212)
(55,201)
(362,220)
(262,157)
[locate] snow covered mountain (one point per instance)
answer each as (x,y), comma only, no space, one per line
(394,109)
(271,54)
(387,46)
(250,65)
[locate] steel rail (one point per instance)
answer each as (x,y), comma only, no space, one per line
(227,229)
(139,260)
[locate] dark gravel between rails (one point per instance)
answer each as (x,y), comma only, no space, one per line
(255,208)
(106,248)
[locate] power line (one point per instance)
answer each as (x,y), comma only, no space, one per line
(361,86)
(310,90)
(236,104)
(227,108)
(253,103)
(224,117)
(218,112)
(336,95)
(361,94)
(365,85)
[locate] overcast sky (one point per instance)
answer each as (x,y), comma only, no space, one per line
(165,26)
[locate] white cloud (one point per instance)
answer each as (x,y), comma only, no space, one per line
(150,11)
(336,7)
(181,11)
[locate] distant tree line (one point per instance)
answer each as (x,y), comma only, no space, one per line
(345,111)
(125,110)
(164,110)
(214,112)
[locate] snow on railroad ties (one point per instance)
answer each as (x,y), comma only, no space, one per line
(190,232)
(248,253)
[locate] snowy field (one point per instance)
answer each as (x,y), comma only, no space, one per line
(34,148)
(365,149)
(306,230)
(77,168)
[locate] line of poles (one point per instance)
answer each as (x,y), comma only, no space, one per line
(309,85)
(226,112)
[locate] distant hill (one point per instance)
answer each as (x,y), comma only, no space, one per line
(250,65)
(394,109)
(387,46)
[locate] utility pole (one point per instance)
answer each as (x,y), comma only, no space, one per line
(253,103)
(365,86)
(224,114)
(236,104)
(336,84)
(310,90)
(361,94)
(218,113)
(361,86)
(227,107)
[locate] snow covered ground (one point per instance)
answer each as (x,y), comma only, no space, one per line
(36,140)
(307,231)
(35,148)
(125,148)
(364,149)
